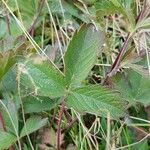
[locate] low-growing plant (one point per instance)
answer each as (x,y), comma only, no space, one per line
(100,72)
(44,79)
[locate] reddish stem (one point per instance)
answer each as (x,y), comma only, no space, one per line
(116,64)
(8,23)
(41,5)
(59,125)
(2,121)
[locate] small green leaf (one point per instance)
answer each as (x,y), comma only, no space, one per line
(96,100)
(7,60)
(109,7)
(38,104)
(81,53)
(6,140)
(133,86)
(33,124)
(41,77)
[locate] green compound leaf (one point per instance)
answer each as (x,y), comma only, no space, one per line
(96,100)
(42,77)
(82,53)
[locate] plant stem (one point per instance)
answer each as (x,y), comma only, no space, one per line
(67,115)
(41,5)
(59,125)
(70,125)
(116,63)
(144,12)
(2,121)
(8,23)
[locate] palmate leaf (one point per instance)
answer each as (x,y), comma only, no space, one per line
(81,54)
(133,86)
(96,100)
(38,104)
(42,77)
(33,124)
(6,140)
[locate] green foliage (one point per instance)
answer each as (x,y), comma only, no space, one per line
(82,53)
(6,140)
(8,83)
(143,146)
(4,27)
(96,100)
(38,104)
(89,2)
(7,60)
(111,7)
(133,86)
(33,124)
(32,87)
(12,118)
(28,9)
(46,80)
(42,78)
(144,24)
